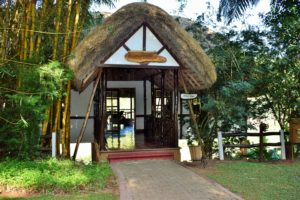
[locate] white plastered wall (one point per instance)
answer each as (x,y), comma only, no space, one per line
(79,103)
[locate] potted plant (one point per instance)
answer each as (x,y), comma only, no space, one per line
(194,147)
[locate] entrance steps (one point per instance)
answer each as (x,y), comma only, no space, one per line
(150,154)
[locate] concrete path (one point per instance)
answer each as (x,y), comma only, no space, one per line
(164,180)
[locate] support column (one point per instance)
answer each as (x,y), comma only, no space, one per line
(220,145)
(153,110)
(145,109)
(103,110)
(162,96)
(176,107)
(283,154)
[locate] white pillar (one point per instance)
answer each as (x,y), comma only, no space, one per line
(220,145)
(283,155)
(53,145)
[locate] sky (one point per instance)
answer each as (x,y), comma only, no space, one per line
(195,8)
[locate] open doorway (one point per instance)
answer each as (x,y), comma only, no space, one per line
(120,109)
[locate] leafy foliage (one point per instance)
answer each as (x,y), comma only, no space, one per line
(232,9)
(24,107)
(277,69)
(33,34)
(262,64)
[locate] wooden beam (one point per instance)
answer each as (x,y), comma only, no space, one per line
(88,111)
(126,47)
(161,49)
(144,38)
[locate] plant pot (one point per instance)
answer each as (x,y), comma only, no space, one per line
(196,153)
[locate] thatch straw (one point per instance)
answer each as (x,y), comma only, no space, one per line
(196,68)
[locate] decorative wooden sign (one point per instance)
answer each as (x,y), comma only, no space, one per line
(295,131)
(144,57)
(188,96)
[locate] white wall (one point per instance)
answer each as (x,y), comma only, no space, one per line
(79,103)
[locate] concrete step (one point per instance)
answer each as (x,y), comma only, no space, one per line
(139,155)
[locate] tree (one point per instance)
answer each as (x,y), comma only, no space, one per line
(234,9)
(277,69)
(32,34)
(224,106)
(253,63)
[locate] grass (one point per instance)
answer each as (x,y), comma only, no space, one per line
(89,196)
(52,176)
(259,181)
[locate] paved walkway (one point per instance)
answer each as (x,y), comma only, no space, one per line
(164,180)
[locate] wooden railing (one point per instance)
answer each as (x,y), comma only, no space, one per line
(260,145)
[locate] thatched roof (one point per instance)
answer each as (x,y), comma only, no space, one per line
(195,67)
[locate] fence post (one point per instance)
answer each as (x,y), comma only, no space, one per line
(220,145)
(262,128)
(283,154)
(53,145)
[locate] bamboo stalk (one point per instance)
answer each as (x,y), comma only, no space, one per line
(65,125)
(25,45)
(22,33)
(76,20)
(57,28)
(67,100)
(31,43)
(56,125)
(46,122)
(5,36)
(41,25)
(82,130)
(66,114)
(66,39)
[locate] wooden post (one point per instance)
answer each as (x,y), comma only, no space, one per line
(261,140)
(162,97)
(152,96)
(220,146)
(119,117)
(180,119)
(153,109)
(176,106)
(145,108)
(53,145)
(81,133)
(103,110)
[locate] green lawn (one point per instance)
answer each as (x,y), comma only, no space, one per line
(89,196)
(49,177)
(259,181)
